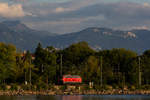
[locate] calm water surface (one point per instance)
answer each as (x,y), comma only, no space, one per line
(79,97)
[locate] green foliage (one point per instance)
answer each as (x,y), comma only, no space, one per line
(45,62)
(39,56)
(3,87)
(63,88)
(7,61)
(132,87)
(14,87)
(25,87)
(98,87)
(41,86)
(75,54)
(115,86)
(107,87)
(91,71)
(119,67)
(86,87)
(145,67)
(29,87)
(145,87)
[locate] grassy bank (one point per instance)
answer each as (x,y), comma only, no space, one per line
(85,92)
(14,89)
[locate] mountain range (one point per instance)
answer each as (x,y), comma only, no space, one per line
(20,35)
(26,38)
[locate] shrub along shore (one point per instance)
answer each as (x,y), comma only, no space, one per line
(15,90)
(85,92)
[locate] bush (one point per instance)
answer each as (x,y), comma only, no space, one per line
(50,87)
(132,88)
(107,87)
(3,87)
(146,87)
(98,87)
(33,87)
(42,86)
(14,87)
(115,86)
(29,87)
(86,87)
(63,88)
(25,87)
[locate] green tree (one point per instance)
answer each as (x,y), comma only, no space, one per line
(50,64)
(28,67)
(7,62)
(46,62)
(91,71)
(121,60)
(75,55)
(39,58)
(145,67)
(119,66)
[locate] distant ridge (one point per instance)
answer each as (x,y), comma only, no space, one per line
(20,35)
(105,38)
(25,38)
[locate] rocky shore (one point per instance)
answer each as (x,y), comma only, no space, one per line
(86,92)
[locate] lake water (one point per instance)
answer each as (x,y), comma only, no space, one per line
(78,97)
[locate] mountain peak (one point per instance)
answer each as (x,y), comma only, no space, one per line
(15,25)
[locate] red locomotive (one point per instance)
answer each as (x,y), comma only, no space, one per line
(72,79)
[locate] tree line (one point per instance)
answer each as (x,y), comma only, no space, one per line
(115,67)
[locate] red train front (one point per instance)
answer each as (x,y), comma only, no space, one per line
(72,79)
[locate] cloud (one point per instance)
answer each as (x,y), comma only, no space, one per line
(75,5)
(11,11)
(80,14)
(19,0)
(146,4)
(30,14)
(65,25)
(140,27)
(45,8)
(60,9)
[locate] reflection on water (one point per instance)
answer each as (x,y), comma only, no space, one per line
(17,97)
(117,97)
(78,97)
(71,97)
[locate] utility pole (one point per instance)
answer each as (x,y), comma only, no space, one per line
(123,80)
(101,69)
(25,77)
(61,64)
(30,73)
(118,72)
(139,72)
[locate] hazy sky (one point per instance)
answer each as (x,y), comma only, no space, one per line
(64,16)
(60,1)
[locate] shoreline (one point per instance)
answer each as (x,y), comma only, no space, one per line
(87,92)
